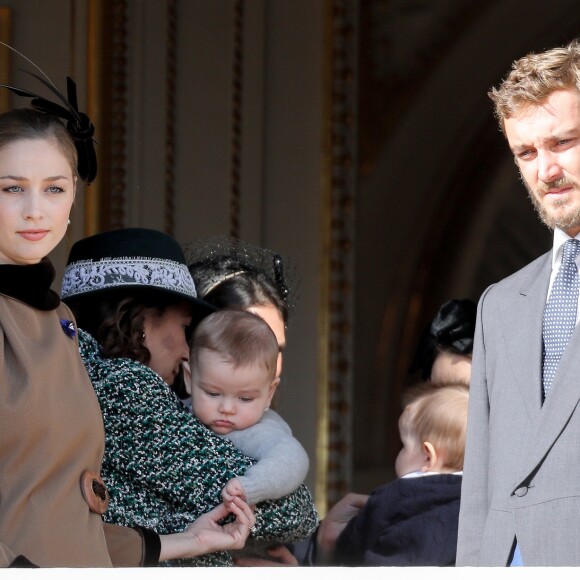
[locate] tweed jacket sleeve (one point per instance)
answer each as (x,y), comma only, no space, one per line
(164,468)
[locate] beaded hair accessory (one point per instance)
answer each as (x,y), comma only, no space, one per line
(215,259)
(78,124)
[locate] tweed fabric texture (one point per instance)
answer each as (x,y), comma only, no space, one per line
(164,469)
(560,312)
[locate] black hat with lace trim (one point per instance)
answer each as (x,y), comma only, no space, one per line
(132,259)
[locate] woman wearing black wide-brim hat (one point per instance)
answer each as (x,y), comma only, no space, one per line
(131,290)
(134,299)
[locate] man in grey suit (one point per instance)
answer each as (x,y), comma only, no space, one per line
(520,501)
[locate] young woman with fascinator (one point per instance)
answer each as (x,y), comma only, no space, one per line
(135,303)
(52,496)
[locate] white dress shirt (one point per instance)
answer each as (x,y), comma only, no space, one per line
(559,238)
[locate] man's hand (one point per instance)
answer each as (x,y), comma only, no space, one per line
(335,521)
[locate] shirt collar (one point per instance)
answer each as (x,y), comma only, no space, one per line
(559,238)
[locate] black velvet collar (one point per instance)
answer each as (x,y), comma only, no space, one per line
(30,284)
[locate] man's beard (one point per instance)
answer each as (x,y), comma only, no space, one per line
(563,221)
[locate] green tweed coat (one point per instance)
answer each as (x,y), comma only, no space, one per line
(163,468)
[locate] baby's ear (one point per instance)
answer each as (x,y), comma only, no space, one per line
(187,376)
(272,388)
(431,456)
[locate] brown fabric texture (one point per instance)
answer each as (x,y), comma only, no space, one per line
(126,546)
(51,432)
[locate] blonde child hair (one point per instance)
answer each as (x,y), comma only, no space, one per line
(438,414)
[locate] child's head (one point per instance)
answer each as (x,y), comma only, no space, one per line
(432,429)
(233,361)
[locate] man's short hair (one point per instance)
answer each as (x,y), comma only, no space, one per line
(534,77)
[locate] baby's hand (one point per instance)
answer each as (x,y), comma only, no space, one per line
(233,489)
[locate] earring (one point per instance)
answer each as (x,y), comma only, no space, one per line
(68,222)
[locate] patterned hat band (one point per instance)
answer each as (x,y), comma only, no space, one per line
(87,276)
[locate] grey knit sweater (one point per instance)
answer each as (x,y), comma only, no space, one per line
(282,461)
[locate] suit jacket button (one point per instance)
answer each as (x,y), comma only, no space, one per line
(521,491)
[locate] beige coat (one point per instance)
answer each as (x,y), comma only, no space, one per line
(51,433)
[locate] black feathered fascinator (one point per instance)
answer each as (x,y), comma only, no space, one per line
(78,124)
(451,330)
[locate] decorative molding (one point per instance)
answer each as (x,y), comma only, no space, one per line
(170,114)
(119,31)
(339,258)
(95,40)
(236,154)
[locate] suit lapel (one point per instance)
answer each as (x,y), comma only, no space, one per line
(560,403)
(522,331)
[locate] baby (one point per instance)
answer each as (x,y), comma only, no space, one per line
(413,520)
(231,378)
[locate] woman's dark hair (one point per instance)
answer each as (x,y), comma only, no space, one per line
(231,273)
(247,288)
(452,330)
(116,320)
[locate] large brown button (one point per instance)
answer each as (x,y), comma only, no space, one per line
(95,492)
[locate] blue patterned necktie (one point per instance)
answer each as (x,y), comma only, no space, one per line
(560,312)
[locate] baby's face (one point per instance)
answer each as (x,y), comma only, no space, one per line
(226,398)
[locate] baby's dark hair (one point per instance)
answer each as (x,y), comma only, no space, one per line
(238,336)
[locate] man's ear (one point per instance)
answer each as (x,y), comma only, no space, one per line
(187,376)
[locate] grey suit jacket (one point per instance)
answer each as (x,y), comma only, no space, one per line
(522,464)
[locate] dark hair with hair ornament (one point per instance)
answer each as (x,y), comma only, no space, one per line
(78,125)
(451,330)
(229,272)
